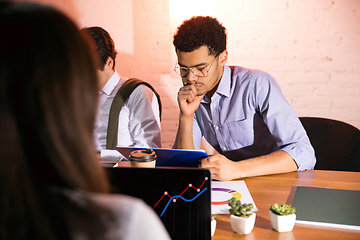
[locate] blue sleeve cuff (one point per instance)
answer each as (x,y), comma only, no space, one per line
(304,157)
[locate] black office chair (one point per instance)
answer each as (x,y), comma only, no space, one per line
(336,144)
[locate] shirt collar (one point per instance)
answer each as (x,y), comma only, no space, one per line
(224,85)
(111,83)
(225,82)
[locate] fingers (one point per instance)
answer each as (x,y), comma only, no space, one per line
(215,173)
(187,93)
(208,164)
(219,166)
(214,176)
(218,174)
(187,100)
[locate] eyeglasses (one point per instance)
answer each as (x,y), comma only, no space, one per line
(197,71)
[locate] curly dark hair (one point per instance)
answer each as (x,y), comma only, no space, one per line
(105,45)
(201,31)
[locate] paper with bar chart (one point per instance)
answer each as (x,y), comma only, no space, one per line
(221,192)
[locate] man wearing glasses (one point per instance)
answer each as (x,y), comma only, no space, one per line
(241,112)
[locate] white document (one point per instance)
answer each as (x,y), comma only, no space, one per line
(221,192)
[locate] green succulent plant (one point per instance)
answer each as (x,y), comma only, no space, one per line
(283,209)
(238,209)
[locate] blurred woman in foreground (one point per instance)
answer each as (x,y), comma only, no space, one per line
(52,186)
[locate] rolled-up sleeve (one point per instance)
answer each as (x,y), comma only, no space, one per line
(282,121)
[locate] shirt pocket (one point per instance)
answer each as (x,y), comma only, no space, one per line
(241,133)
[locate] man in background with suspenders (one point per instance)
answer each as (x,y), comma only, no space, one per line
(136,119)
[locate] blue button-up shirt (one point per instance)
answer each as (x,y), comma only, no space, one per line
(248,116)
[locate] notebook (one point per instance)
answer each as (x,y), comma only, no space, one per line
(327,207)
(170,157)
(181,197)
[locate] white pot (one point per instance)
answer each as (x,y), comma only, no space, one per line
(213,226)
(282,223)
(242,225)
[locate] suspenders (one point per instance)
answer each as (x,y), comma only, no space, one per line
(120,98)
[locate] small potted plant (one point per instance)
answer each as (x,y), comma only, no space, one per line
(242,219)
(282,217)
(213,224)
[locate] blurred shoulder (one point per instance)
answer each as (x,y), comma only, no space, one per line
(131,214)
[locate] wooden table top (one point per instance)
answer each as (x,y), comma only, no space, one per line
(280,188)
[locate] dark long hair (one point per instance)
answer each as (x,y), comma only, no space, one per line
(48,99)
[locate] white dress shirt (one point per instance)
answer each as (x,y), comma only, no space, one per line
(139,120)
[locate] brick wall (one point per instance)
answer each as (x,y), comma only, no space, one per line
(312,47)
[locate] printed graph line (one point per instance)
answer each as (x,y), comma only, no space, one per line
(186,200)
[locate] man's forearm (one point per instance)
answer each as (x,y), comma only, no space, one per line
(273,163)
(184,136)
